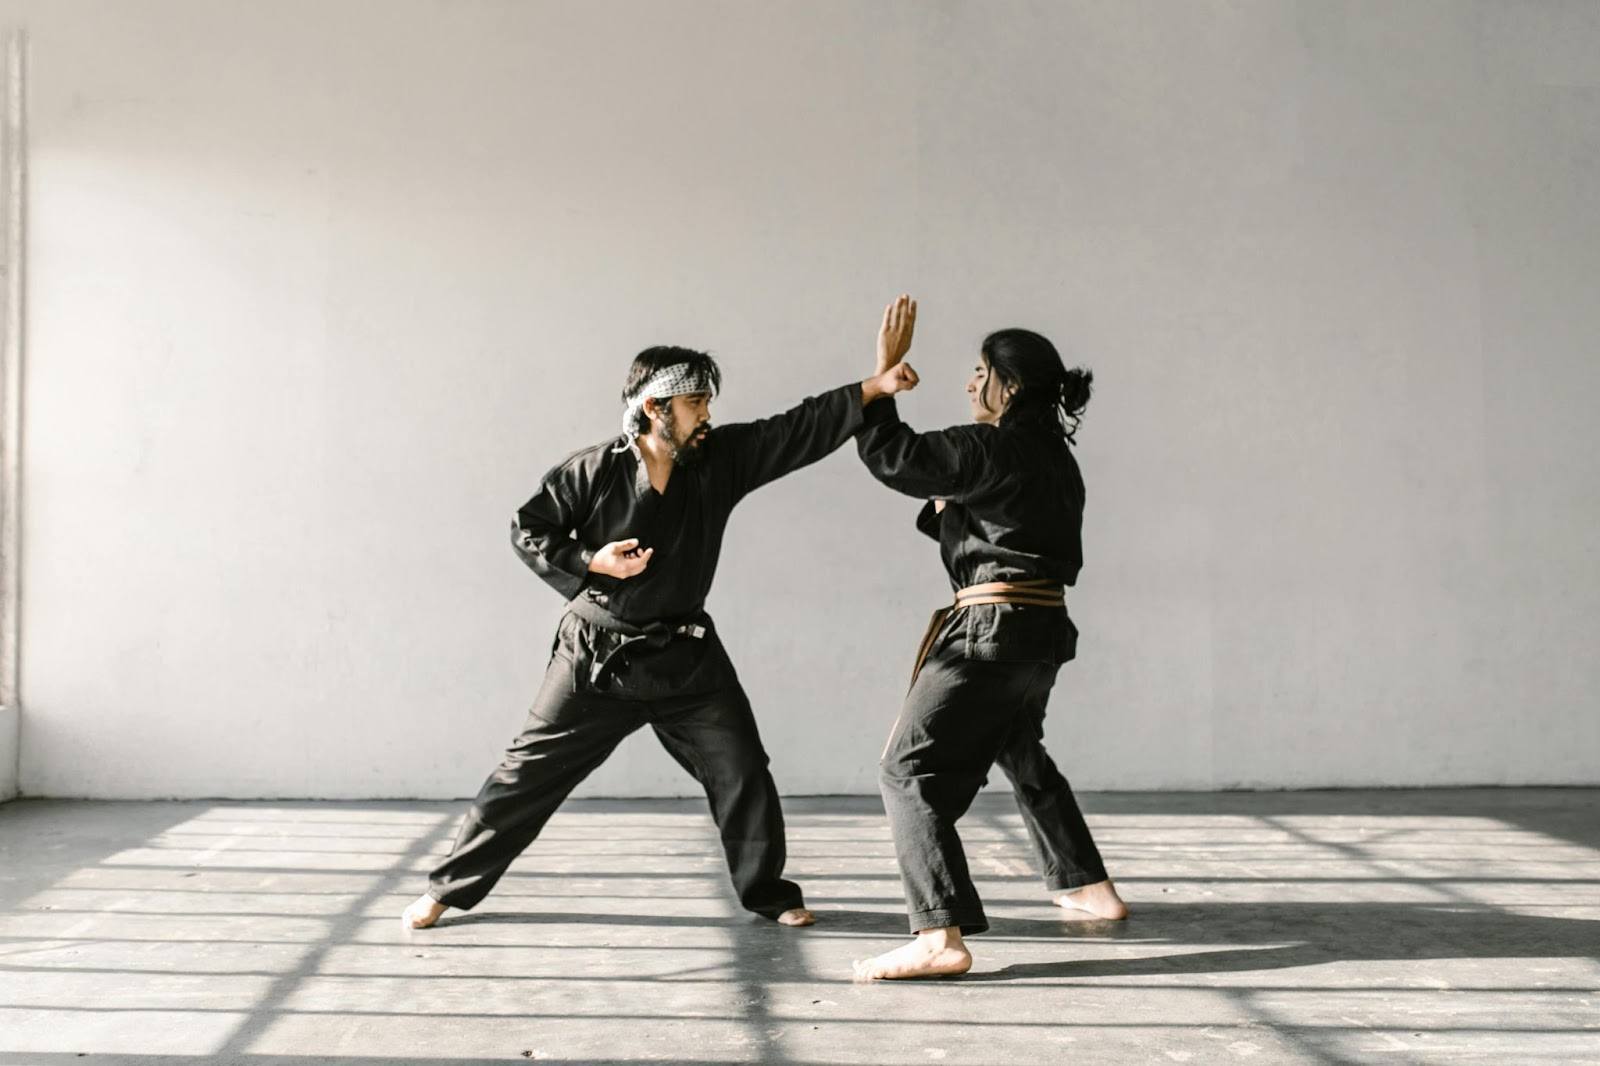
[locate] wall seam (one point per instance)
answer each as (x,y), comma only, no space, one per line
(11,357)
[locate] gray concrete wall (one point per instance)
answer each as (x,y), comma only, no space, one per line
(10,753)
(318,291)
(13,182)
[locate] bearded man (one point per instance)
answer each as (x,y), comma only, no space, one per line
(629,532)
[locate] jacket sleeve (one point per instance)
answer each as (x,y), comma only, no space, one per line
(767,449)
(949,464)
(543,532)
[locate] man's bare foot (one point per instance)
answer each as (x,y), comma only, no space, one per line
(423,913)
(935,953)
(1098,900)
(798,916)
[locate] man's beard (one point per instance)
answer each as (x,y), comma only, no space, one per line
(689,452)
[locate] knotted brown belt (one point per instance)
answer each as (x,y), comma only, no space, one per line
(1035,592)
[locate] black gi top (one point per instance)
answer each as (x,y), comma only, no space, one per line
(600,495)
(1014,512)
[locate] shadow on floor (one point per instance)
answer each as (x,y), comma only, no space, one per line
(1306,934)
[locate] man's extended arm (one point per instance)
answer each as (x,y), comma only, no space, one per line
(765,450)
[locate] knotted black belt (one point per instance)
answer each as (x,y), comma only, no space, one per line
(652,635)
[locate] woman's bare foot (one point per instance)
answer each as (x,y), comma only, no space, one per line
(1099,900)
(935,953)
(423,913)
(798,916)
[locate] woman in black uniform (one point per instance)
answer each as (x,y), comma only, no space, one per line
(1005,501)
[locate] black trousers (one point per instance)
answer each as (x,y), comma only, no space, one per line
(961,717)
(571,730)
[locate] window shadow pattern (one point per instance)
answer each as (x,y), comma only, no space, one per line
(1327,928)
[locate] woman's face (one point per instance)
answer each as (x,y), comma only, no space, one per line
(987,399)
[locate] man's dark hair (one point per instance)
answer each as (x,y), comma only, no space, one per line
(653,360)
(1048,394)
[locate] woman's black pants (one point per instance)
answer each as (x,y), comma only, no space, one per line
(961,717)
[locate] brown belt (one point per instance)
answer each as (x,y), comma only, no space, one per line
(1036,592)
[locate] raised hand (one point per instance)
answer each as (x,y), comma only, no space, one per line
(894,336)
(620,559)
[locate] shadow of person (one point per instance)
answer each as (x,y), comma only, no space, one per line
(1270,936)
(561,917)
(874,923)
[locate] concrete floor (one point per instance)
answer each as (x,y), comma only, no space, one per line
(1329,928)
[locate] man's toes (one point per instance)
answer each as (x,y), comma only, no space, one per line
(1106,908)
(797,916)
(422,914)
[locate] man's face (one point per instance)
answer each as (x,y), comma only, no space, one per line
(682,424)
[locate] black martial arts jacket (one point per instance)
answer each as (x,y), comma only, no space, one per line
(600,495)
(1013,512)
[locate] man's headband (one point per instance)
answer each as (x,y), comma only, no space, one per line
(678,380)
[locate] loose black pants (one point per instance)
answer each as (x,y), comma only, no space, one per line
(961,717)
(571,732)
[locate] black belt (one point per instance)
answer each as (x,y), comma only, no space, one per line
(651,635)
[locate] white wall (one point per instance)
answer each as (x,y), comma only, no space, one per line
(318,290)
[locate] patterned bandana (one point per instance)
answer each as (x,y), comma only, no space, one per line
(679,380)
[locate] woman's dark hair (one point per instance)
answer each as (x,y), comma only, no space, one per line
(652,360)
(1048,395)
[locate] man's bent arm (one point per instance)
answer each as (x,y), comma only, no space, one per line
(542,534)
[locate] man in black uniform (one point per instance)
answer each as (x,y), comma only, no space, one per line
(629,532)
